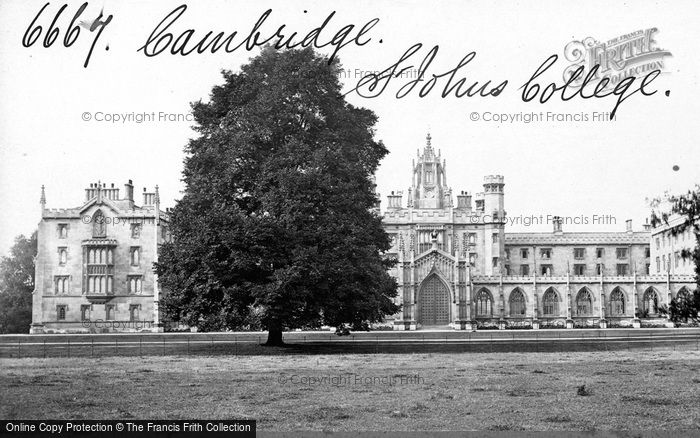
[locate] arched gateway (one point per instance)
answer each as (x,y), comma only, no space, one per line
(434,302)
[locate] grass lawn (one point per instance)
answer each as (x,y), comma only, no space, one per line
(501,391)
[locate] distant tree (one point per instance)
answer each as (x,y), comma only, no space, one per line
(277,225)
(687,206)
(17,285)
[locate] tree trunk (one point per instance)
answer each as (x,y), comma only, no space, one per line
(274,338)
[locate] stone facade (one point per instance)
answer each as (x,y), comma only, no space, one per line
(457,267)
(94,263)
(667,248)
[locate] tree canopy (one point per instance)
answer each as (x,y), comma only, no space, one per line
(277,226)
(17,285)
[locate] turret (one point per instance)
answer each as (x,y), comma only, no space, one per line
(493,196)
(429,188)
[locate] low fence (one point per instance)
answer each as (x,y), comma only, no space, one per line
(50,346)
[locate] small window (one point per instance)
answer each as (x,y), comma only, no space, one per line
(472,259)
(599,268)
(622,269)
(494,238)
(579,253)
(546,253)
(134,312)
(61,313)
(62,231)
(648,270)
(524,253)
(85,312)
(507,269)
(546,269)
(135,255)
(61,284)
(579,269)
(621,253)
(494,262)
(658,244)
(507,254)
(62,256)
(599,253)
(134,284)
(677,255)
(525,270)
(472,238)
(647,252)
(109,311)
(135,231)
(658,265)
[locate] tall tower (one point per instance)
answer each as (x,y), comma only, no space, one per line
(429,189)
(494,221)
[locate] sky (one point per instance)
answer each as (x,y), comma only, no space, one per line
(576,169)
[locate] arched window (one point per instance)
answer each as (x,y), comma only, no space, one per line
(135,256)
(550,302)
(584,302)
(617,302)
(683,294)
(61,313)
(98,225)
(651,301)
(516,302)
(484,303)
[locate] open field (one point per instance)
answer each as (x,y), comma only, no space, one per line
(637,390)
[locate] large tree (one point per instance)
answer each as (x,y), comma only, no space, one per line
(17,285)
(687,206)
(277,226)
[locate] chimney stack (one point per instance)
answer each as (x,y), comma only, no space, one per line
(395,200)
(149,198)
(628,225)
(129,191)
(557,222)
(464,200)
(647,225)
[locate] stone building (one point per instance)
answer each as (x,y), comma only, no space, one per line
(94,263)
(457,267)
(667,248)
